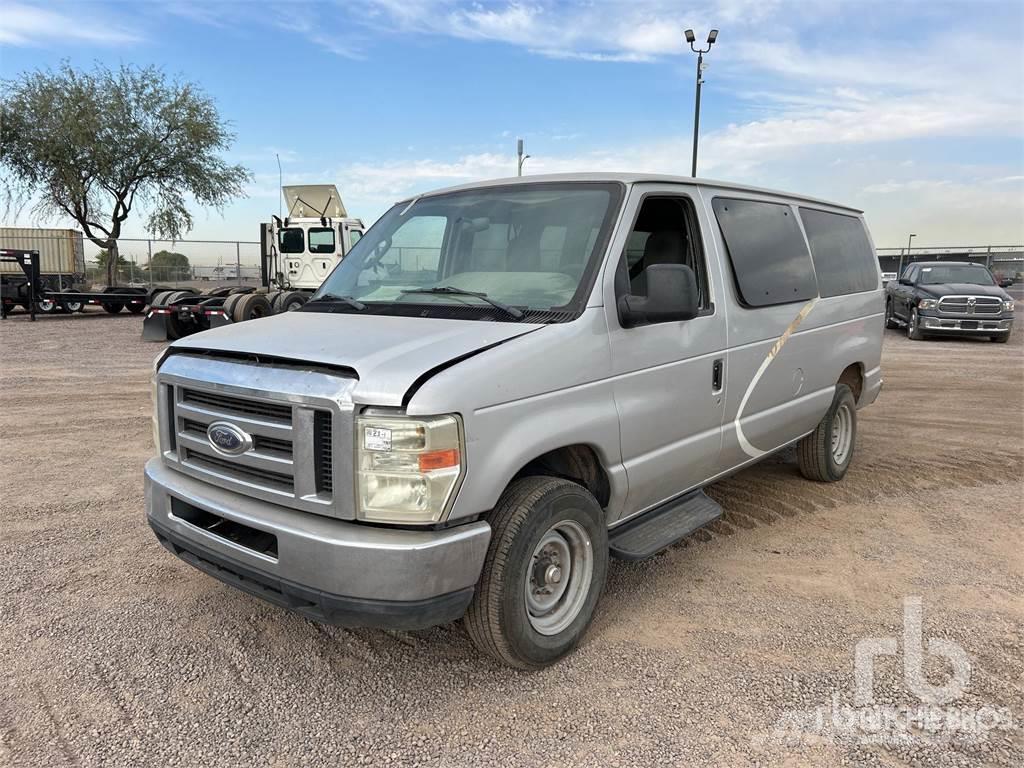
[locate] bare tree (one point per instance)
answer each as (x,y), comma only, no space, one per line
(94,144)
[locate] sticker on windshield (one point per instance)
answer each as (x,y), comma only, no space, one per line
(376,439)
(926,269)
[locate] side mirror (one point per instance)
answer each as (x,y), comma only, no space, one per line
(906,281)
(671,295)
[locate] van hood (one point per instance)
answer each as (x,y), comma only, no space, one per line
(388,354)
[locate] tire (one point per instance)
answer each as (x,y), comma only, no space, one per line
(914,332)
(817,454)
(1000,338)
(890,321)
(176,327)
(157,299)
(291,301)
(113,307)
(136,309)
(250,306)
(47,306)
(532,515)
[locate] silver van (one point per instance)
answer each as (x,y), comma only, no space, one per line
(506,383)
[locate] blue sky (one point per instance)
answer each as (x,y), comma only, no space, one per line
(913,111)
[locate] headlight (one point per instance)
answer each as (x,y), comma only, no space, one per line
(1008,305)
(408,468)
(927,303)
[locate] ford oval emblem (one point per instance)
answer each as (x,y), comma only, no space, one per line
(227,439)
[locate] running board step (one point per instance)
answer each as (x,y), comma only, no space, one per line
(663,526)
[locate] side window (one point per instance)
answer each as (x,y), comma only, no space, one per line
(841,251)
(769,256)
(321,240)
(910,273)
(353,237)
(291,240)
(665,232)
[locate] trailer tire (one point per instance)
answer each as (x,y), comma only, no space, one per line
(113,307)
(291,301)
(46,306)
(136,309)
(157,299)
(228,307)
(176,328)
(250,306)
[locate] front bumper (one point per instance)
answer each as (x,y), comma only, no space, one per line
(976,324)
(326,569)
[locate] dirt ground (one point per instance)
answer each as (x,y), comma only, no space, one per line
(725,650)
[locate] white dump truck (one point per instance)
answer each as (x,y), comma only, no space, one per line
(296,254)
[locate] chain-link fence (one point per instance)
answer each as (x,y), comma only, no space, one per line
(179,263)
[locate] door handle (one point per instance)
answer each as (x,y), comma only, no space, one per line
(716,375)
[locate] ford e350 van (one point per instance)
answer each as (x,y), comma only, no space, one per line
(506,383)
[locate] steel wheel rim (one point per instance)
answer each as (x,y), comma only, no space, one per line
(842,434)
(557,578)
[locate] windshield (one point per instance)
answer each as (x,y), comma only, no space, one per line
(530,246)
(976,275)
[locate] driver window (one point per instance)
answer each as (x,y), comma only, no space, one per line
(665,233)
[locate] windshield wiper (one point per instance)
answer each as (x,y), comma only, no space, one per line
(332,298)
(451,290)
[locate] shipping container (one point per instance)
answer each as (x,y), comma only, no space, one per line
(61,254)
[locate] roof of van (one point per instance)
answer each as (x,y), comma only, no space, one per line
(632,178)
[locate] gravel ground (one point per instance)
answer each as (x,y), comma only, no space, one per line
(115,653)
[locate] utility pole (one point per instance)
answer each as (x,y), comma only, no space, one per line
(690,38)
(520,156)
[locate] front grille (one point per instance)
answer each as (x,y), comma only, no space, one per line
(291,457)
(323,454)
(970,305)
(230,469)
(236,405)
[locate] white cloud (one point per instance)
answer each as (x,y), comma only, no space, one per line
(25,25)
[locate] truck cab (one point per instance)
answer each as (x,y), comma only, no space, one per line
(310,242)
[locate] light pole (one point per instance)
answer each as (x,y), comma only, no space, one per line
(521,157)
(280,184)
(899,273)
(712,36)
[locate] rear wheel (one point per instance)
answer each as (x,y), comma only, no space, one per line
(890,320)
(291,301)
(250,306)
(113,307)
(46,306)
(825,454)
(543,574)
(176,327)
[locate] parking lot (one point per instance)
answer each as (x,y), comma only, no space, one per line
(116,653)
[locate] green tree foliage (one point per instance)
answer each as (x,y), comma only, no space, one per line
(94,144)
(170,265)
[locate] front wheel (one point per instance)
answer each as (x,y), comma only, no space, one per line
(543,574)
(825,454)
(914,332)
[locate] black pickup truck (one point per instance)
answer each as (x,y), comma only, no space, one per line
(948,297)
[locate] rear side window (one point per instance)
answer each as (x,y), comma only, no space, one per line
(767,250)
(842,254)
(321,240)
